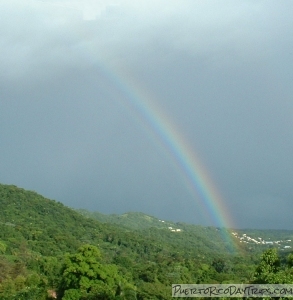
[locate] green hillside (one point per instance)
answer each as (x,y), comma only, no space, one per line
(131,220)
(50,228)
(191,237)
(45,226)
(48,249)
(248,240)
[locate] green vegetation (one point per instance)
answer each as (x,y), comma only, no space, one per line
(48,250)
(271,271)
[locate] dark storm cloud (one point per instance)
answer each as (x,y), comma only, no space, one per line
(220,71)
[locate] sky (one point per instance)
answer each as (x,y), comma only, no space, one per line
(149,105)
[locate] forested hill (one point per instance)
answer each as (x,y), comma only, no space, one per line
(50,228)
(132,220)
(44,226)
(249,240)
(191,236)
(139,253)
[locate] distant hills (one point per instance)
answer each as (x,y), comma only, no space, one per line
(248,239)
(195,237)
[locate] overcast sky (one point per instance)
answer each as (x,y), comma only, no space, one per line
(221,72)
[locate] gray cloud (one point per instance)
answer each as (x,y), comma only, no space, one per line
(221,72)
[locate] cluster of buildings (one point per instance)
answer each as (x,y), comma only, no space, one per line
(171,228)
(260,241)
(174,229)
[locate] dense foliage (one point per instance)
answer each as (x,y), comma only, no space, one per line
(48,250)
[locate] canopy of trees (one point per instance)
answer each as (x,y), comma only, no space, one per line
(50,251)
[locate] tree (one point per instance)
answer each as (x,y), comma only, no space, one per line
(290,260)
(268,267)
(270,271)
(84,276)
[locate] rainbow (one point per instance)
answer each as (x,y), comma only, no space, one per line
(181,154)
